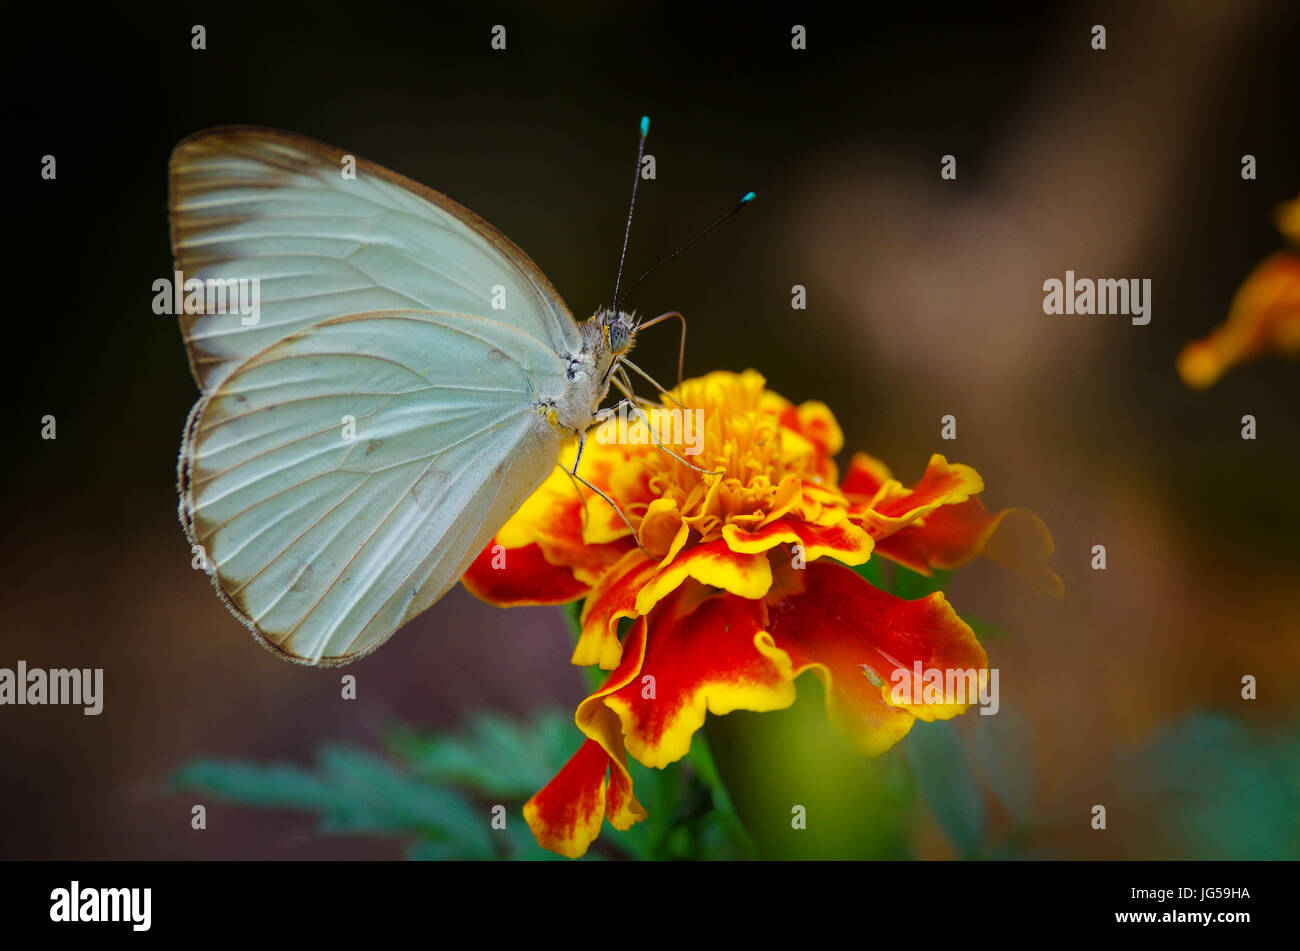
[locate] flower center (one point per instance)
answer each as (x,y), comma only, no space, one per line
(764,464)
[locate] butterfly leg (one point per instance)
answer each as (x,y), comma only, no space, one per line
(624,361)
(631,400)
(573,474)
(621,374)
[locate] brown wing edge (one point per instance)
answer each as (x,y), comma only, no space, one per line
(185,511)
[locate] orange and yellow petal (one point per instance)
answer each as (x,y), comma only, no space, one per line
(1264,317)
(563,543)
(662,531)
(891,506)
(714,564)
(815,424)
(509,577)
(566,814)
(613,598)
(953,535)
(789,493)
(818,423)
(834,623)
(843,541)
(553,517)
(865,477)
(706,652)
(622,808)
(602,727)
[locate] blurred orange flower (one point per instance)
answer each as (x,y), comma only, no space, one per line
(1264,316)
(734,591)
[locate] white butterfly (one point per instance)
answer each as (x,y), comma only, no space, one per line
(376,304)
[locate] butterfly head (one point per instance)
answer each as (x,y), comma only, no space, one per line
(617,331)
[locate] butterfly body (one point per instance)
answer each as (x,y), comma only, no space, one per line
(606,336)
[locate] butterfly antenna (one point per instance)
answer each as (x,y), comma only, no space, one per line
(636,180)
(618,302)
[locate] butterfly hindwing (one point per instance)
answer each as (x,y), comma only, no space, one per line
(342,480)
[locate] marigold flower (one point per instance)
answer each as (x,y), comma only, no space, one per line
(737,591)
(1264,316)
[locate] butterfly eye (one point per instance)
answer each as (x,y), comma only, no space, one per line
(618,332)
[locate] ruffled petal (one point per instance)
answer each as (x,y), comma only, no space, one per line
(954,535)
(789,492)
(602,726)
(623,478)
(939,524)
(552,518)
(509,577)
(705,651)
(566,814)
(813,420)
(661,532)
(713,563)
(562,542)
(865,477)
(833,622)
(891,507)
(818,423)
(622,808)
(613,598)
(842,541)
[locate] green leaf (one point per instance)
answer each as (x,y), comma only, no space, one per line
(873,570)
(1001,747)
(572,612)
(277,786)
(901,582)
(721,834)
(382,799)
(495,755)
(437,789)
(984,630)
(911,585)
(1218,789)
(352,793)
(947,785)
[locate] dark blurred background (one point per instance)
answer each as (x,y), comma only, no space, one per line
(924,298)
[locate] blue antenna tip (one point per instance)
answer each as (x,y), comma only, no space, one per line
(645,125)
(749,196)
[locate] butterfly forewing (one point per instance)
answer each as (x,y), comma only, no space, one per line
(282,209)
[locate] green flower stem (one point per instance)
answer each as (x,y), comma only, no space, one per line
(788,768)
